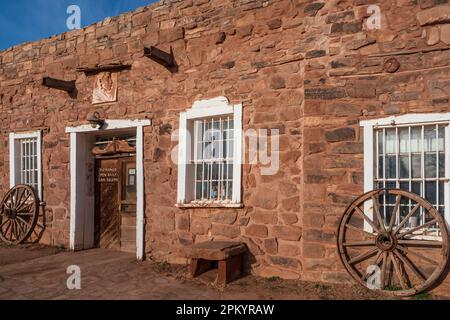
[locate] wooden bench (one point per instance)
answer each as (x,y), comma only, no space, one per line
(229,256)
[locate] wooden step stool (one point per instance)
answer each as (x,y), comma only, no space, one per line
(229,256)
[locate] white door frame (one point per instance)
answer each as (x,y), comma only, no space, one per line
(81,202)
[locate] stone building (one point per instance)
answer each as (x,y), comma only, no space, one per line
(313,71)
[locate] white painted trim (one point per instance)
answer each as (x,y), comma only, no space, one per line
(73,187)
(140,210)
(216,102)
(12,160)
(12,156)
(182,160)
(237,159)
(219,106)
(412,118)
(111,125)
(368,172)
(76,218)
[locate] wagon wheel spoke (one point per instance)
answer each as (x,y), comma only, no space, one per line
(13,230)
(398,271)
(418,255)
(360,243)
(405,219)
(23,221)
(395,212)
(21,227)
(421,243)
(366,218)
(8,227)
(383,270)
(410,265)
(24,202)
(376,206)
(430,223)
(25,214)
(349,226)
(3,223)
(363,256)
(377,262)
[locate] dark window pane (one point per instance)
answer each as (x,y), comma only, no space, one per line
(404,166)
(441,193)
(380,142)
(430,165)
(416,187)
(404,186)
(230,190)
(389,210)
(198,192)
(199,175)
(214,190)
(391,167)
(380,167)
(416,161)
(390,198)
(441,165)
(215,171)
(430,192)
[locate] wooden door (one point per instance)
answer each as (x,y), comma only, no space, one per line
(107,212)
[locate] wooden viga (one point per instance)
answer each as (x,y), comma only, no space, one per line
(116,146)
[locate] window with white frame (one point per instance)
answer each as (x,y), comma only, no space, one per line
(210,154)
(411,153)
(25,160)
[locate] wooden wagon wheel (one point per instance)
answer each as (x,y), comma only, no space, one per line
(19,212)
(394,241)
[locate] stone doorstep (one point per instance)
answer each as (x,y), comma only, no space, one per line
(215,250)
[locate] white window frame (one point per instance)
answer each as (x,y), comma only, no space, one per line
(413,119)
(13,156)
(216,107)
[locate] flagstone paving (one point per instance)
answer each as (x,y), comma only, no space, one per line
(30,273)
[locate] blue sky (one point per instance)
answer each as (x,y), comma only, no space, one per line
(29,20)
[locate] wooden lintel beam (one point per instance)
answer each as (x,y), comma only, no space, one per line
(159,56)
(105,67)
(68,86)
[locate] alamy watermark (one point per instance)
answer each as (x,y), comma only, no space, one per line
(74,20)
(258,148)
(74,280)
(374,21)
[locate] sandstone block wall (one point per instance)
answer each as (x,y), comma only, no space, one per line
(311,69)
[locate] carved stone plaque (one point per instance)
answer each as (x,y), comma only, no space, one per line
(105,88)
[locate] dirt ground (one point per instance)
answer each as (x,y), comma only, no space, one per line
(39,272)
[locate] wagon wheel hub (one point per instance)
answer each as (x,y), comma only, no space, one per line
(386,241)
(11,213)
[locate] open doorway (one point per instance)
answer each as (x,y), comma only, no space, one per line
(107,186)
(115,193)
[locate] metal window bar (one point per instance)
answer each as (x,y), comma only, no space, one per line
(28,162)
(212,155)
(385,179)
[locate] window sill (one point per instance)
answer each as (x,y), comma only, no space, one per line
(209,205)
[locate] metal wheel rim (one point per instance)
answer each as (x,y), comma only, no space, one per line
(344,256)
(19,210)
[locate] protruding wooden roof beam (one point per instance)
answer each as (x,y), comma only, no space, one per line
(68,86)
(104,67)
(161,57)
